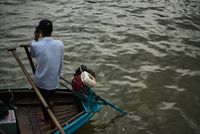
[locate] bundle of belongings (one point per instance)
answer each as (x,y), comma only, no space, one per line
(84,79)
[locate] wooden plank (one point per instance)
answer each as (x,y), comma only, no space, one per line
(66,112)
(66,116)
(44,127)
(24,120)
(64,108)
(35,115)
(74,117)
(35,101)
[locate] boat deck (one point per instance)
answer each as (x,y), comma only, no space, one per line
(29,118)
(29,114)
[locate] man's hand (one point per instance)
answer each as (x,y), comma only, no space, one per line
(37,35)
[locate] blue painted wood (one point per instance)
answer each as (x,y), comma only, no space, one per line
(90,108)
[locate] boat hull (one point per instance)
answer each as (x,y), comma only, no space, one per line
(71,111)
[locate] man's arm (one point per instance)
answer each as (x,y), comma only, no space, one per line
(37,34)
(62,61)
(36,37)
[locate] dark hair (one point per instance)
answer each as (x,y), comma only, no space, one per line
(47,32)
(46,26)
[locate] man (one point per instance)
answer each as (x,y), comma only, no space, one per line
(49,54)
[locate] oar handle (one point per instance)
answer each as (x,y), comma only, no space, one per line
(11,49)
(25,45)
(66,80)
(44,103)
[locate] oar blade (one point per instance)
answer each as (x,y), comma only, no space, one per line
(107,102)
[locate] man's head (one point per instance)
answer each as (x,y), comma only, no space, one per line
(45,27)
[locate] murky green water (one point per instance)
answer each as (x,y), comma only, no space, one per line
(146,54)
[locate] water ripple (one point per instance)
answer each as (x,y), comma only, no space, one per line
(145,54)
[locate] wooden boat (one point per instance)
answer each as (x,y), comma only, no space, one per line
(25,111)
(71,109)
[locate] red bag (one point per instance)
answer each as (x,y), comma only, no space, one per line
(77,83)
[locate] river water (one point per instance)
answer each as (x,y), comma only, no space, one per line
(146,55)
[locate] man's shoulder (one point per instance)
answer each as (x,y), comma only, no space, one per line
(59,42)
(42,43)
(34,43)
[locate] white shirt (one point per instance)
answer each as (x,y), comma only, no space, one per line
(49,54)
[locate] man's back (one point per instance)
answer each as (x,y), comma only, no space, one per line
(49,55)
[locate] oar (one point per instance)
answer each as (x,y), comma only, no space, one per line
(44,103)
(106,102)
(29,57)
